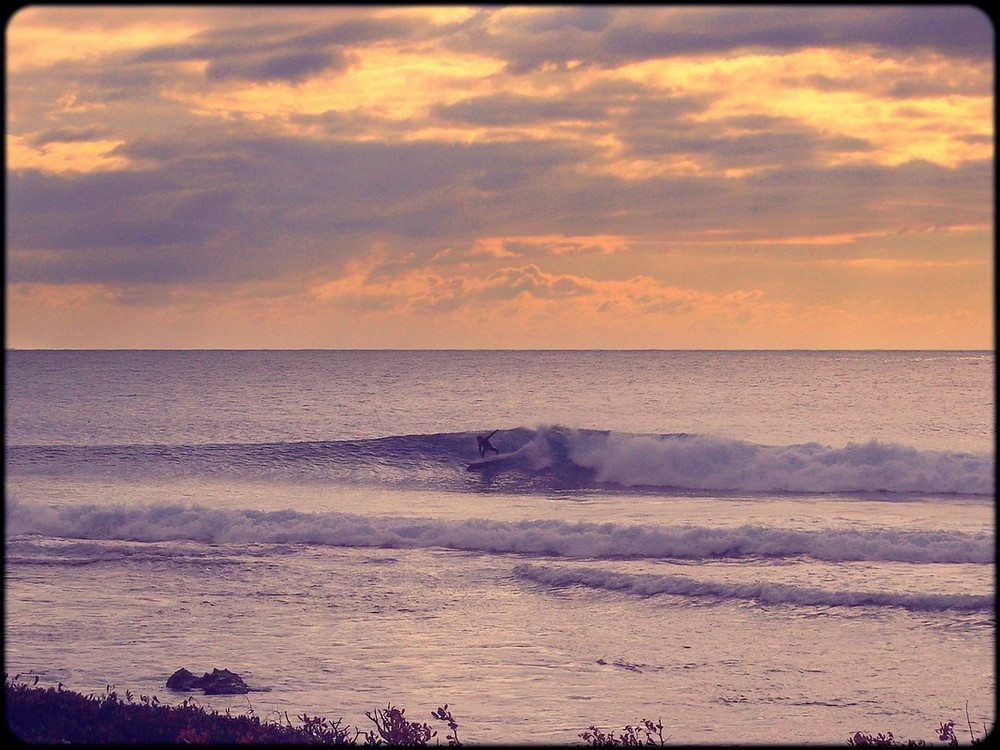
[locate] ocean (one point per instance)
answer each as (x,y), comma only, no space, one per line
(755,547)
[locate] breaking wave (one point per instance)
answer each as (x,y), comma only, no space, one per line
(171,536)
(540,459)
(552,538)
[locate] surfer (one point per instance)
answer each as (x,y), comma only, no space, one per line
(485,444)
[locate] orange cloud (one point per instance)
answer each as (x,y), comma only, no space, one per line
(78,156)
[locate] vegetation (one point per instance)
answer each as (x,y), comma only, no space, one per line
(57,716)
(946,733)
(652,735)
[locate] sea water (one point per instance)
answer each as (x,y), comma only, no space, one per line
(751,547)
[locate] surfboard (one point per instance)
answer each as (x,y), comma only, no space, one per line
(489,461)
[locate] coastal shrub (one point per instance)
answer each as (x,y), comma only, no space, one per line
(648,735)
(443,714)
(59,716)
(392,728)
(49,716)
(946,734)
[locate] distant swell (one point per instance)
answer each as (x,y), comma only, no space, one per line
(182,523)
(545,458)
(762,592)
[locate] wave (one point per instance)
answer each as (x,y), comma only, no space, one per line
(546,458)
(185,524)
(647,584)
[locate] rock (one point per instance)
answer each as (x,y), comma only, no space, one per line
(222,682)
(218,682)
(182,680)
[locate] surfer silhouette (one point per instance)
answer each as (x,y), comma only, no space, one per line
(485,444)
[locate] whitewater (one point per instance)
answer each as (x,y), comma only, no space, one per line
(754,547)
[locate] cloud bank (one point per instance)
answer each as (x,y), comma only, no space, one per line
(605,176)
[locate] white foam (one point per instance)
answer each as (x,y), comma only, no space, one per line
(177,522)
(702,462)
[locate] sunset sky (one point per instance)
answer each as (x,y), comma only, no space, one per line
(482,177)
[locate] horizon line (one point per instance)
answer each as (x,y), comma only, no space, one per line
(485,349)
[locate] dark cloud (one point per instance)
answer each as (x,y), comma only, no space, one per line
(367,30)
(628,34)
(240,207)
(979,140)
(593,106)
(914,87)
(511,109)
(739,143)
(107,210)
(958,30)
(292,67)
(280,52)
(109,82)
(70,134)
(235,41)
(114,265)
(265,203)
(898,85)
(561,20)
(854,198)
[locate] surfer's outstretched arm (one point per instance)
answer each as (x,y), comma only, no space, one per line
(492,434)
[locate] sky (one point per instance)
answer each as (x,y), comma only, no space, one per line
(482,177)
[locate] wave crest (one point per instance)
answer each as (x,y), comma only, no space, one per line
(765,592)
(542,459)
(181,523)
